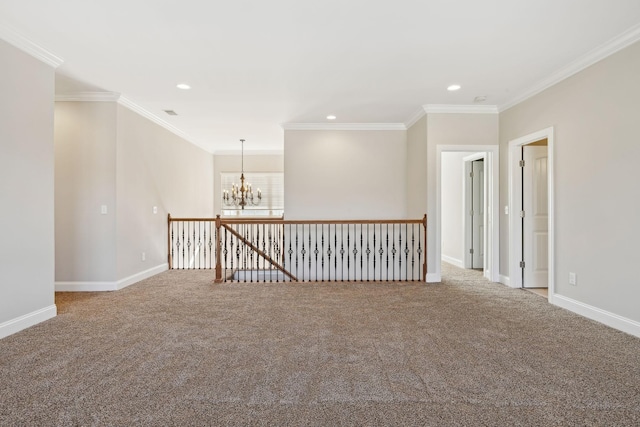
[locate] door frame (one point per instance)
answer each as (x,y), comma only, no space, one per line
(466,207)
(492,241)
(515,194)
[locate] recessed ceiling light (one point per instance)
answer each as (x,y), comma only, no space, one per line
(331,117)
(453,88)
(183,86)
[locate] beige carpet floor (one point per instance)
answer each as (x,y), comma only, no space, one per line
(178,350)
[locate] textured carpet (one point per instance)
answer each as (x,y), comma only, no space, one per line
(178,350)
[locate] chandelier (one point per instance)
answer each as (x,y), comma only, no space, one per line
(243,195)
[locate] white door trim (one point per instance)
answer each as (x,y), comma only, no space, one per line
(492,240)
(515,194)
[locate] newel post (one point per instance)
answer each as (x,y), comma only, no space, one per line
(218,246)
(169,260)
(424,271)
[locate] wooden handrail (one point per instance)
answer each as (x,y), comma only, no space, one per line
(259,252)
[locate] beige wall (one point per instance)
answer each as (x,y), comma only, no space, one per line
(233,163)
(109,155)
(332,174)
(596,123)
(417,169)
(26,194)
(155,168)
(451,129)
(85,179)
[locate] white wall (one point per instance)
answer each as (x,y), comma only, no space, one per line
(332,174)
(85,180)
(595,117)
(451,199)
(26,192)
(233,163)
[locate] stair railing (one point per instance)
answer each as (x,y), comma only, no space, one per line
(275,250)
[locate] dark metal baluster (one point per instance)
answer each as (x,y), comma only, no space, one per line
(181,241)
(368,252)
(238,251)
(322,237)
(400,254)
(387,252)
(420,272)
(361,253)
(413,250)
(172,245)
(393,251)
(335,259)
(348,252)
(406,252)
(342,252)
(297,252)
(374,252)
(315,251)
(309,251)
(193,254)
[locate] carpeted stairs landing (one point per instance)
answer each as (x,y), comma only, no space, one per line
(178,350)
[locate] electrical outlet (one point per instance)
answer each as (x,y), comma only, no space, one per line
(573,279)
(144,256)
(103,209)
(155,209)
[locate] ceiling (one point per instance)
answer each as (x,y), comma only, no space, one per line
(254,65)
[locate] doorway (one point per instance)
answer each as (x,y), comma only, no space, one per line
(490,242)
(530,210)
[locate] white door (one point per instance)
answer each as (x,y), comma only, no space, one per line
(477,214)
(535,201)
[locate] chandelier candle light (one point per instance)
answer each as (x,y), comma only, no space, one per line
(241,196)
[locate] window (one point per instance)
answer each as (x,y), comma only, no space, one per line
(271,184)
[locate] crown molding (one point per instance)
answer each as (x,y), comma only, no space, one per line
(460,109)
(88,97)
(344,126)
(125,102)
(629,37)
(14,38)
(415,117)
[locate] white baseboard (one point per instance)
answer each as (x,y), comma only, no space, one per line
(453,261)
(19,323)
(128,281)
(434,278)
(110,286)
(610,319)
(505,280)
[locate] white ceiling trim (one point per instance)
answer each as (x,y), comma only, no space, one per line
(88,97)
(26,45)
(157,120)
(344,126)
(460,109)
(415,117)
(625,39)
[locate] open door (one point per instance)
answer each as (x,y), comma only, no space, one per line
(535,217)
(477,214)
